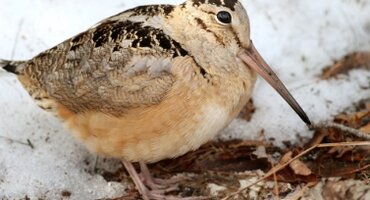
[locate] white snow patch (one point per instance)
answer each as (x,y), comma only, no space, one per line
(297,38)
(215,189)
(254,189)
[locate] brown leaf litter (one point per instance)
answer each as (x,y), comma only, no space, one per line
(349,62)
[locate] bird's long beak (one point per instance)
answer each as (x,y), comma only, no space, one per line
(253,59)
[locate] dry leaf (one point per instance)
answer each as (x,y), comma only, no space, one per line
(247,111)
(300,168)
(260,152)
(286,157)
(297,166)
(349,62)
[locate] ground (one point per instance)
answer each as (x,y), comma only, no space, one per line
(39,159)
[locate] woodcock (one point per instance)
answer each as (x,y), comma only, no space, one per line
(152,82)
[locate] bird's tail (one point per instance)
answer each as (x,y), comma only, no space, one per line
(14,67)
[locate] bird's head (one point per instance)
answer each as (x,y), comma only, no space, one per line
(212,24)
(218,33)
(227,20)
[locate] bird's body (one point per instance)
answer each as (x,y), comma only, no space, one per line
(150,83)
(128,89)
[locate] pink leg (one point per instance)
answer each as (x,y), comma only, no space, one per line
(157,191)
(156,183)
(135,177)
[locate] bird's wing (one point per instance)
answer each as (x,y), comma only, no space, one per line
(117,65)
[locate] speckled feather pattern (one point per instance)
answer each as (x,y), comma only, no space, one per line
(149,83)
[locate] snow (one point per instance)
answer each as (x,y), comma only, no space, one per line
(298,39)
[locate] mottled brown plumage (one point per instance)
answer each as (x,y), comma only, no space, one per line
(152,82)
(93,71)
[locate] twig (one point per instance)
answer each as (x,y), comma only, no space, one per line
(342,128)
(96,163)
(361,169)
(342,144)
(28,143)
(16,39)
(276,185)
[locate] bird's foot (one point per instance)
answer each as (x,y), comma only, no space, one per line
(161,195)
(155,189)
(157,183)
(160,187)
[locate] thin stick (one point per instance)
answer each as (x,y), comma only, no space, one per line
(96,163)
(276,185)
(342,144)
(16,39)
(28,143)
(342,128)
(361,169)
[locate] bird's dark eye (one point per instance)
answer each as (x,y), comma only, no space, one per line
(224,17)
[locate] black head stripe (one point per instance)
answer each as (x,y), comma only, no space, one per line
(152,10)
(225,3)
